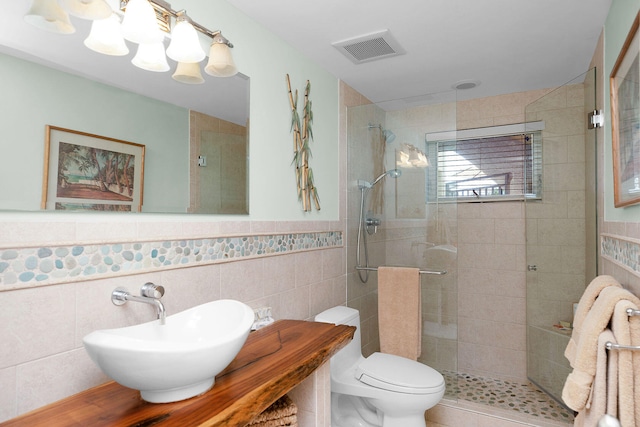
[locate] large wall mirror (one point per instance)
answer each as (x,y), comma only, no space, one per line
(195,137)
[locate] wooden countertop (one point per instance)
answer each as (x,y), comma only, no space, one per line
(273,361)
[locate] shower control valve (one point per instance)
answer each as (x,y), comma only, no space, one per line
(372,225)
(373,222)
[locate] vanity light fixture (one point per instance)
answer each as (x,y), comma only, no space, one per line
(146,23)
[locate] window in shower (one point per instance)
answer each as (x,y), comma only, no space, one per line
(507,166)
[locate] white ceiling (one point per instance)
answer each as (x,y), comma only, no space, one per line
(506,45)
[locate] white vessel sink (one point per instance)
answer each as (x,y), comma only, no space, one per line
(177,360)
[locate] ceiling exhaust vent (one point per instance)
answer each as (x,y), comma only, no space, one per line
(369,47)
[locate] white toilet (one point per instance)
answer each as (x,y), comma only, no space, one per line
(381,390)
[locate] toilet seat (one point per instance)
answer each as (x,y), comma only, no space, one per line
(398,374)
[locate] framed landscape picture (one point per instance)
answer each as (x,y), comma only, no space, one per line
(86,172)
(625,120)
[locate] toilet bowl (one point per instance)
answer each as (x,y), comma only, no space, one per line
(382,390)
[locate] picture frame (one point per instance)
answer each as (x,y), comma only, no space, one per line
(87,172)
(625,120)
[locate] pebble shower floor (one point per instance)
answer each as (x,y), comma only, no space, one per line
(522,397)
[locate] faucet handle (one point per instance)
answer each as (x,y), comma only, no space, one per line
(151,290)
(119,296)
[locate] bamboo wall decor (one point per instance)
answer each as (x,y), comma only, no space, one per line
(302,136)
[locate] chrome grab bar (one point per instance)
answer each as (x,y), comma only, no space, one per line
(611,346)
(437,272)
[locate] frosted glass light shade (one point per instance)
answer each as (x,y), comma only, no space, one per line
(48,15)
(185,46)
(106,37)
(188,72)
(221,62)
(151,57)
(139,24)
(87,9)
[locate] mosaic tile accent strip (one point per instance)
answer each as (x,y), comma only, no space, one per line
(522,397)
(623,251)
(21,268)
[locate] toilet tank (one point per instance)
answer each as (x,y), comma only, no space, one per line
(352,352)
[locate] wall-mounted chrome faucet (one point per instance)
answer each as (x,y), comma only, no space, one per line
(149,294)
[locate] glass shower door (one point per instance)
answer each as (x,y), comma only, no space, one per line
(559,226)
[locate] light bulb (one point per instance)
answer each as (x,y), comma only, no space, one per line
(151,57)
(185,46)
(221,62)
(139,24)
(188,72)
(106,37)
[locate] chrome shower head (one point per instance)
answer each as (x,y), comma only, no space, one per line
(389,136)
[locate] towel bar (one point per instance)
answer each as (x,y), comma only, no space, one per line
(632,312)
(611,346)
(438,272)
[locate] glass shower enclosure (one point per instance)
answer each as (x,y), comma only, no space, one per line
(514,267)
(560,228)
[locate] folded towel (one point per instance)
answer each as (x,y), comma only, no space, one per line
(577,387)
(586,302)
(399,311)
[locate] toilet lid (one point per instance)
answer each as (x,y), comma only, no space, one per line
(395,373)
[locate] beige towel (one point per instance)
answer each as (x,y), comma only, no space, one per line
(399,311)
(577,387)
(586,302)
(606,376)
(621,325)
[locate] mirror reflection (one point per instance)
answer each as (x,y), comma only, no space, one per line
(50,79)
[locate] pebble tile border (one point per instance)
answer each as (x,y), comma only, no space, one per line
(521,397)
(28,267)
(623,251)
